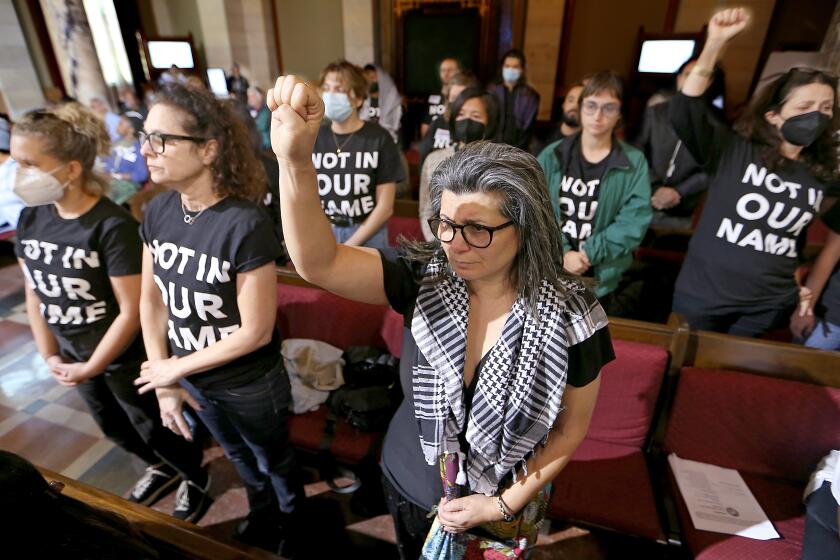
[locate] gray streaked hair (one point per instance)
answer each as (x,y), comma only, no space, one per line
(516,175)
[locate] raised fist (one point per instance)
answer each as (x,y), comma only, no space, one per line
(296,114)
(725,24)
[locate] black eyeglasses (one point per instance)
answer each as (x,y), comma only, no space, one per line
(475,235)
(157,140)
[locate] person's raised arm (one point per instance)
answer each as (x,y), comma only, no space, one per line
(723,26)
(351,272)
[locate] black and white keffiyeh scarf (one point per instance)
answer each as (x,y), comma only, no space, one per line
(521,384)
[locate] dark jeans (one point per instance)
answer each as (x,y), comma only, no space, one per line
(749,322)
(132,421)
(251,423)
(411,522)
(821,540)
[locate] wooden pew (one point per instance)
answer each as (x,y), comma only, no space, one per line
(164,532)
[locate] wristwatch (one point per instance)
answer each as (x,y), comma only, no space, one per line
(507,516)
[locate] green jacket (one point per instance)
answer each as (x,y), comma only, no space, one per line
(623,214)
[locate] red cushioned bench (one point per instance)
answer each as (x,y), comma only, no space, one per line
(309,312)
(772,430)
(607,483)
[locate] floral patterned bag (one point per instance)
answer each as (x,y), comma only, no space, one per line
(499,540)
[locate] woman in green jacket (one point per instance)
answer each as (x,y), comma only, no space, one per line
(600,190)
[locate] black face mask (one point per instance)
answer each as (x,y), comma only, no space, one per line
(468,130)
(374,87)
(804,129)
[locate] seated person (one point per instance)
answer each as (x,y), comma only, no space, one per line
(437,136)
(125,165)
(447,68)
(822,507)
(10,205)
(261,116)
(358,163)
(600,190)
(676,178)
(383,105)
(474,116)
(823,293)
(570,119)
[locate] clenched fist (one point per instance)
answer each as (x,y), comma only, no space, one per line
(725,24)
(296,114)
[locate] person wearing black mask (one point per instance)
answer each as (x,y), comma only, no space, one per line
(474,115)
(767,184)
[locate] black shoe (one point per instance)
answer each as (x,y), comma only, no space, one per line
(192,501)
(157,482)
(259,532)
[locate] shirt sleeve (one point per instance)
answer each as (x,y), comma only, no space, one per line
(702,133)
(121,249)
(401,279)
(588,357)
(259,245)
(390,165)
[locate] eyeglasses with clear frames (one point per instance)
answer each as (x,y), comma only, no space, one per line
(157,140)
(476,235)
(608,109)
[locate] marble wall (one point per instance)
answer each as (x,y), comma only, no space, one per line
(19,86)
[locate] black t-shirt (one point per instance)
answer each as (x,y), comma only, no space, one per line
(437,137)
(829,305)
(579,190)
(402,457)
(69,264)
(743,253)
(373,110)
(347,179)
(195,268)
(437,106)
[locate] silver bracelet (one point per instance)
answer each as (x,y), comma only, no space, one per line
(507,516)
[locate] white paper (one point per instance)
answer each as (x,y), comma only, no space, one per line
(719,500)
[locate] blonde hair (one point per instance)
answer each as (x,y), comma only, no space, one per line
(71,132)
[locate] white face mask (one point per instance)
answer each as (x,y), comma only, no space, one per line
(36,188)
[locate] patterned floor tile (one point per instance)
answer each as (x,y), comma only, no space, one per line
(46,444)
(70,418)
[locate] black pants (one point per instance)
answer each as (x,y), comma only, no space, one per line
(411,522)
(133,422)
(251,422)
(821,541)
(749,322)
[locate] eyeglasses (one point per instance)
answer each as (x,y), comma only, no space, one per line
(157,140)
(475,235)
(609,109)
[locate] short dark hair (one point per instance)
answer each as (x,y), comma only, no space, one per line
(490,105)
(514,53)
(605,80)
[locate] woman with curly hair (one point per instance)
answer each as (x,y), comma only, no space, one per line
(767,185)
(80,253)
(208,301)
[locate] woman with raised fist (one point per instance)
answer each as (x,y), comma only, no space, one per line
(501,348)
(767,185)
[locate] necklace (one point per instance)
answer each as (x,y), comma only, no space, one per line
(339,147)
(190,220)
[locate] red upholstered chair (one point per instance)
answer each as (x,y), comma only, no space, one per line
(308,312)
(408,226)
(773,431)
(607,482)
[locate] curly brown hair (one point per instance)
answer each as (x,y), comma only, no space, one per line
(71,132)
(236,170)
(821,157)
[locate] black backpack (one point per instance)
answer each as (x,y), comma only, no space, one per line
(371,392)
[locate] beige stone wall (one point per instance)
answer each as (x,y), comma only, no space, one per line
(543,32)
(357,22)
(311,35)
(19,86)
(252,40)
(741,57)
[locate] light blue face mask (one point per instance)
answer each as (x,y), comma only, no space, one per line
(337,106)
(511,74)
